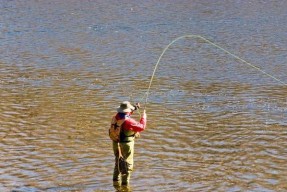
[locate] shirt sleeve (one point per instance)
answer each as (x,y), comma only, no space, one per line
(133,125)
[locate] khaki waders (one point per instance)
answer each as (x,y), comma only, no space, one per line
(127,149)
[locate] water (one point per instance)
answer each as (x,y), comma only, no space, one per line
(214,123)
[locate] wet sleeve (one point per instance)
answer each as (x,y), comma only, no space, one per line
(134,125)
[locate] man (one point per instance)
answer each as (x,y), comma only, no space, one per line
(129,130)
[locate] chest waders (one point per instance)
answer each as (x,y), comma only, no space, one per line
(124,137)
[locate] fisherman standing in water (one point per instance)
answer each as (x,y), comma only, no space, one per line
(128,130)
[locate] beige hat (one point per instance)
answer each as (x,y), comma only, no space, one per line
(125,107)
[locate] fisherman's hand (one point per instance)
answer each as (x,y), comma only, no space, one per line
(137,135)
(144,114)
(137,106)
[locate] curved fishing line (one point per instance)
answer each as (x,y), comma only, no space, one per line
(211,43)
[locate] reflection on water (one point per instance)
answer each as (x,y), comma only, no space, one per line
(214,124)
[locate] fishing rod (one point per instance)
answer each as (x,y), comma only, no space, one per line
(213,44)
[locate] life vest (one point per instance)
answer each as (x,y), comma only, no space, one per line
(115,129)
(117,134)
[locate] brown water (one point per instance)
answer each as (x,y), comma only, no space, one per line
(214,123)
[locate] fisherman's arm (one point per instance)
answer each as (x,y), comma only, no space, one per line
(136,126)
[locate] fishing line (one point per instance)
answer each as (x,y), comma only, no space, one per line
(215,45)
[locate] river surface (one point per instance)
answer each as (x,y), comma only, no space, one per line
(214,123)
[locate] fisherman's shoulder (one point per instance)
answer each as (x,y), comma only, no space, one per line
(130,120)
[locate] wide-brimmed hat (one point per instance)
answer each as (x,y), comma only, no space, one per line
(125,107)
